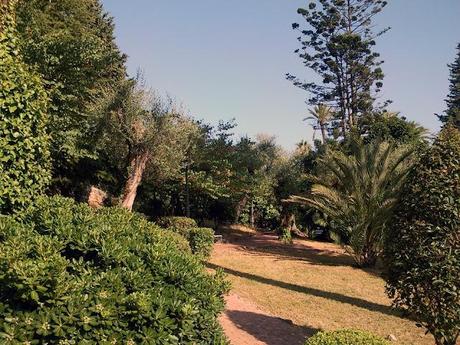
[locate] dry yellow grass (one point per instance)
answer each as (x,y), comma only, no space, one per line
(311,283)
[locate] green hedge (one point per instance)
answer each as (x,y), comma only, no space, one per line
(346,337)
(181,225)
(422,247)
(201,241)
(72,275)
(24,143)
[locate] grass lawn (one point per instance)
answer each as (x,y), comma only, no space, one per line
(313,284)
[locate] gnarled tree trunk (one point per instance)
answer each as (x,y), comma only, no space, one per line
(136,171)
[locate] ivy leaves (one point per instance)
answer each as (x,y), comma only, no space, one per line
(24,143)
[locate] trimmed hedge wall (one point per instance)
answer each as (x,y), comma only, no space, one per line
(201,240)
(73,275)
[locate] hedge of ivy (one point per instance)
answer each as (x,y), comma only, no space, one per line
(24,144)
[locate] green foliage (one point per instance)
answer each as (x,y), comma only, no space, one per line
(265,212)
(73,275)
(337,43)
(321,114)
(452,114)
(359,193)
(391,127)
(180,225)
(72,44)
(24,143)
(346,337)
(423,242)
(143,132)
(285,236)
(201,241)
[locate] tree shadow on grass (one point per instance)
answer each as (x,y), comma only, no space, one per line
(311,256)
(268,329)
(357,302)
(268,244)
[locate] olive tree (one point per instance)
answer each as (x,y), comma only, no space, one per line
(148,134)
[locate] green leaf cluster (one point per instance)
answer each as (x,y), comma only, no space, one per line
(423,242)
(452,114)
(359,193)
(71,43)
(200,240)
(73,275)
(24,143)
(346,337)
(337,41)
(180,225)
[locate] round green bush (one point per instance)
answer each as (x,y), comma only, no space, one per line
(73,275)
(346,337)
(181,225)
(201,241)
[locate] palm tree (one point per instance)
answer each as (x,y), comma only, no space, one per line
(321,114)
(359,194)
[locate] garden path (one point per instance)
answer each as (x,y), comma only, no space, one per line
(245,324)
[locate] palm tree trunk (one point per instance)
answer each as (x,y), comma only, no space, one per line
(323,132)
(136,171)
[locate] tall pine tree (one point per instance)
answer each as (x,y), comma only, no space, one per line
(337,43)
(452,113)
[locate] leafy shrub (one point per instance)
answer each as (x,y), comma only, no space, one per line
(358,193)
(24,155)
(181,225)
(201,241)
(346,337)
(423,242)
(73,275)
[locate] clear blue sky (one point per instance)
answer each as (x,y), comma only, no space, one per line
(227,58)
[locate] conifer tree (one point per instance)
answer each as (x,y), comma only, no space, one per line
(452,113)
(337,43)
